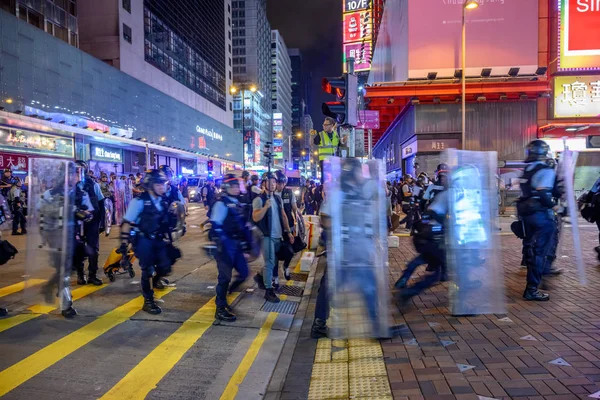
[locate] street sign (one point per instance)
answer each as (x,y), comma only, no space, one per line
(368,119)
(593,142)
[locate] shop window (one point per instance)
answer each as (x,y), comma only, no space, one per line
(127,33)
(127,5)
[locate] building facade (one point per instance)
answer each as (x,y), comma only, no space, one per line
(178,47)
(66,103)
(281,92)
(298,101)
(251,45)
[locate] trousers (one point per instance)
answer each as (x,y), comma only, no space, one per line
(91,235)
(539,233)
(154,262)
(270,248)
(231,258)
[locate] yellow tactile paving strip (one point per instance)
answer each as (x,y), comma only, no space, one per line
(349,369)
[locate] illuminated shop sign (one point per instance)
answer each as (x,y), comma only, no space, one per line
(579,32)
(355,5)
(361,52)
(358,26)
(209,133)
(577,96)
(100,153)
(22,141)
(278,148)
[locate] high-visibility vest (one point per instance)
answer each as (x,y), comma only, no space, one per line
(327,146)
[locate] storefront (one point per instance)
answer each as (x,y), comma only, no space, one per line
(104,159)
(18,145)
(423,153)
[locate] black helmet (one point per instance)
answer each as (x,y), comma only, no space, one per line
(7,170)
(281,178)
(245,175)
(268,175)
(407,177)
(537,150)
(229,180)
(254,177)
(81,164)
(167,170)
(153,177)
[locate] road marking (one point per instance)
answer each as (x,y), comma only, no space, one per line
(41,309)
(17,287)
(26,369)
(240,373)
(146,375)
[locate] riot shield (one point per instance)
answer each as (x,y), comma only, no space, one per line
(128,192)
(357,248)
(50,236)
(119,194)
(472,240)
(177,225)
(567,174)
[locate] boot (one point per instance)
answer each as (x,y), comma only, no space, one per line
(224,315)
(94,280)
(319,329)
(3,312)
(81,278)
(401,283)
(158,283)
(533,294)
(271,297)
(15,233)
(554,272)
(23,231)
(236,284)
(258,278)
(286,273)
(151,307)
(69,312)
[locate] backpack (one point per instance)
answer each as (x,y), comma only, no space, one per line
(7,251)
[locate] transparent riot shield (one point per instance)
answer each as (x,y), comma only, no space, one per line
(472,237)
(177,216)
(128,192)
(357,248)
(567,174)
(50,236)
(119,194)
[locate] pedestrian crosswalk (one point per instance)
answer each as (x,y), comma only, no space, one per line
(43,356)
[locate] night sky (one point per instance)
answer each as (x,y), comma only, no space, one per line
(315,27)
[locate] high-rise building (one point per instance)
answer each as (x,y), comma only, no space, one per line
(179,47)
(281,91)
(56,17)
(252,69)
(297,87)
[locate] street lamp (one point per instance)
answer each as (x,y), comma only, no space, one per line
(469,5)
(233,90)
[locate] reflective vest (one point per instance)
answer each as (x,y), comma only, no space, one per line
(327,147)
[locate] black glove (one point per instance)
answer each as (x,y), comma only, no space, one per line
(123,249)
(245,246)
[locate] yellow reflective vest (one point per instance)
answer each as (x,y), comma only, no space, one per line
(327,147)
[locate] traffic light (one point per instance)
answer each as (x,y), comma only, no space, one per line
(209,165)
(345,88)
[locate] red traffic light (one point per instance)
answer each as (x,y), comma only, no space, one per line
(336,85)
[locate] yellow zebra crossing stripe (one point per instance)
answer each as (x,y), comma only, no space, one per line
(149,372)
(41,309)
(26,369)
(17,287)
(238,377)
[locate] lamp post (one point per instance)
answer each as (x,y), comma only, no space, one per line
(469,5)
(233,90)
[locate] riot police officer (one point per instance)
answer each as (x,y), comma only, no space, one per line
(150,214)
(172,193)
(408,201)
(535,209)
(232,237)
(91,229)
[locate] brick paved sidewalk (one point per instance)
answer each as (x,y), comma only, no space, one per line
(512,356)
(506,356)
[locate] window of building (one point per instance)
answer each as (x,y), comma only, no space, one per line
(228,21)
(228,8)
(230,106)
(229,49)
(230,75)
(230,61)
(127,5)
(72,8)
(127,33)
(229,34)
(73,39)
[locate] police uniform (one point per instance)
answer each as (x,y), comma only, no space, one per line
(535,210)
(150,215)
(173,194)
(91,229)
(230,232)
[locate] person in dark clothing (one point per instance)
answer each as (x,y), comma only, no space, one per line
(17,198)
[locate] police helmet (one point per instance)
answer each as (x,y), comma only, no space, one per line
(168,171)
(442,169)
(7,170)
(407,177)
(81,164)
(154,177)
(254,178)
(281,178)
(245,175)
(230,180)
(537,150)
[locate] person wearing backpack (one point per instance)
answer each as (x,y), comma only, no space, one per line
(590,209)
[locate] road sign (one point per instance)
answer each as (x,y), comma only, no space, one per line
(368,119)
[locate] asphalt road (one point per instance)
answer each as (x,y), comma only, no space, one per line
(113,350)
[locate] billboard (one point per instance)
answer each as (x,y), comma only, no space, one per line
(500,35)
(358,26)
(361,53)
(579,32)
(278,148)
(355,5)
(577,96)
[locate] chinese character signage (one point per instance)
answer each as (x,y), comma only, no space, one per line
(101,153)
(577,96)
(15,162)
(361,53)
(278,148)
(358,26)
(579,34)
(22,141)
